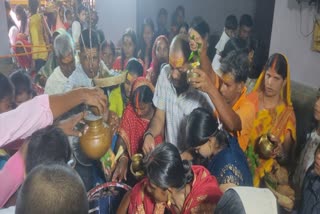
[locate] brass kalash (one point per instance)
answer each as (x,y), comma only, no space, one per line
(136,166)
(264,147)
(96,141)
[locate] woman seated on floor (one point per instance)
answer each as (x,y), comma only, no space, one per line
(226,161)
(135,122)
(171,184)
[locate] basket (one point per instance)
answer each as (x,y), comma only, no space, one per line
(110,81)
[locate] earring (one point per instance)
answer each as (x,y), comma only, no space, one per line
(169,199)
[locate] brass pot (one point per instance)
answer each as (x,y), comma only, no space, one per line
(191,74)
(136,167)
(264,147)
(97,140)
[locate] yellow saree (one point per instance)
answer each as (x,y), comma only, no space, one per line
(279,121)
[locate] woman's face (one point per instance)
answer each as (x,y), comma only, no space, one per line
(158,194)
(273,83)
(83,16)
(129,82)
(162,51)
(148,35)
(195,40)
(144,110)
(108,57)
(208,149)
(128,47)
(5,104)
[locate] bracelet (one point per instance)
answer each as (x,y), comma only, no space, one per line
(147,133)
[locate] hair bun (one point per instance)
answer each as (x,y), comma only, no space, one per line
(188,173)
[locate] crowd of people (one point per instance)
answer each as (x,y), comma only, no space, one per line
(217,133)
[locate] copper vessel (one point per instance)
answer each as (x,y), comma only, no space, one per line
(136,167)
(265,147)
(97,140)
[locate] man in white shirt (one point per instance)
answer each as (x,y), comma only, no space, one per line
(65,53)
(230,30)
(89,57)
(174,99)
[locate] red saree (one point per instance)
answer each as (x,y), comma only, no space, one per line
(204,189)
(132,129)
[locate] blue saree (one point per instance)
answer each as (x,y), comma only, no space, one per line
(230,165)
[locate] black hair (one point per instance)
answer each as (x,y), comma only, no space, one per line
(23,16)
(21,81)
(180,43)
(184,25)
(81,8)
(52,189)
(230,202)
(106,44)
(164,167)
(280,64)
(132,34)
(236,63)
(143,45)
(231,22)
(10,21)
(142,94)
(85,40)
(33,6)
(201,26)
(135,67)
(6,87)
(246,20)
(201,125)
(181,8)
(162,11)
(48,145)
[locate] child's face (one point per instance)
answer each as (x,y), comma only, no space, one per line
(5,104)
(23,97)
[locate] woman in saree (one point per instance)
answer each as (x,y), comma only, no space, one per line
(135,122)
(160,55)
(225,159)
(171,185)
(274,116)
(129,50)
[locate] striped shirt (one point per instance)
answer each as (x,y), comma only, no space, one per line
(177,107)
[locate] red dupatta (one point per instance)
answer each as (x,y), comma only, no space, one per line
(142,203)
(204,189)
(132,127)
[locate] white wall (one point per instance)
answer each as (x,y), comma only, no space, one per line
(214,11)
(115,16)
(286,38)
(4,43)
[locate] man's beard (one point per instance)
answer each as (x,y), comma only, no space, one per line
(180,85)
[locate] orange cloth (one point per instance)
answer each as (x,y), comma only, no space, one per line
(245,109)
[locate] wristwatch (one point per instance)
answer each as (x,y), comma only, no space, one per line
(148,132)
